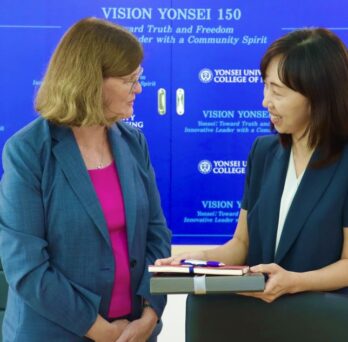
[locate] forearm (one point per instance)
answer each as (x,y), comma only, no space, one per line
(329,278)
(155,249)
(157,246)
(233,252)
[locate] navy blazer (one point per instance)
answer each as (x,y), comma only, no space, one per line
(312,236)
(54,241)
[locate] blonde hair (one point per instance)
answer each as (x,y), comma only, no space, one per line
(91,50)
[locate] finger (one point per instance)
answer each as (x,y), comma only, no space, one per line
(273,292)
(264,268)
(266,299)
(244,294)
(259,295)
(251,294)
(120,322)
(269,298)
(176,260)
(165,261)
(272,285)
(124,337)
(256,268)
(124,321)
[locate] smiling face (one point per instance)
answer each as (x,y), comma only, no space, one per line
(119,94)
(289,110)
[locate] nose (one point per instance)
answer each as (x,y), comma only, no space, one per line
(264,102)
(266,98)
(138,87)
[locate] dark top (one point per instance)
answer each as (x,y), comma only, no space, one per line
(313,230)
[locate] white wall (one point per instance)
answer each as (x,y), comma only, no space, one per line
(174,314)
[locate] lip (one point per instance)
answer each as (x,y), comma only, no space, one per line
(274,115)
(275,119)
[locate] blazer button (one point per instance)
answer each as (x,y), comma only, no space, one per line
(133,263)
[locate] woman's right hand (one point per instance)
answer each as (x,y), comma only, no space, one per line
(103,331)
(121,325)
(175,259)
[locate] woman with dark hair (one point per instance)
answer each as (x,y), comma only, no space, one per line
(293,224)
(80,211)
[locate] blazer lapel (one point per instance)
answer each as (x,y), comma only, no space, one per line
(70,160)
(125,168)
(309,192)
(270,200)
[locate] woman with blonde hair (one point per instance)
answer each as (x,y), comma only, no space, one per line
(80,211)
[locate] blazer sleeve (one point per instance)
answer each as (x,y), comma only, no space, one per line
(248,178)
(158,235)
(25,251)
(345,213)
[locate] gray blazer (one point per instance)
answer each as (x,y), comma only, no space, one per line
(54,241)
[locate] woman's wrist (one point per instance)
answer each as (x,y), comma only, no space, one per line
(98,328)
(204,254)
(102,330)
(297,283)
(149,314)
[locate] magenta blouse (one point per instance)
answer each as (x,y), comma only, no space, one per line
(108,189)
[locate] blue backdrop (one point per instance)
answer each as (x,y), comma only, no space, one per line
(201,103)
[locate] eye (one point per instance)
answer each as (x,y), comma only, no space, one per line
(130,80)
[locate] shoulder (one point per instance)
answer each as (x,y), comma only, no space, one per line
(29,139)
(266,142)
(344,155)
(265,145)
(128,131)
(133,136)
(132,141)
(25,151)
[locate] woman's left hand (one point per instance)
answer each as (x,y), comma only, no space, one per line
(280,282)
(140,329)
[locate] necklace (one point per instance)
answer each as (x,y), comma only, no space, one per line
(94,158)
(100,164)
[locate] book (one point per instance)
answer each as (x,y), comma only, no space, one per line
(216,270)
(161,283)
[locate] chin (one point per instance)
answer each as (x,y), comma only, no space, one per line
(127,116)
(280,130)
(129,112)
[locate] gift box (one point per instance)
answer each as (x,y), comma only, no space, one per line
(179,284)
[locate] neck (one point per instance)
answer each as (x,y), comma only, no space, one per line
(301,154)
(93,145)
(300,145)
(90,136)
